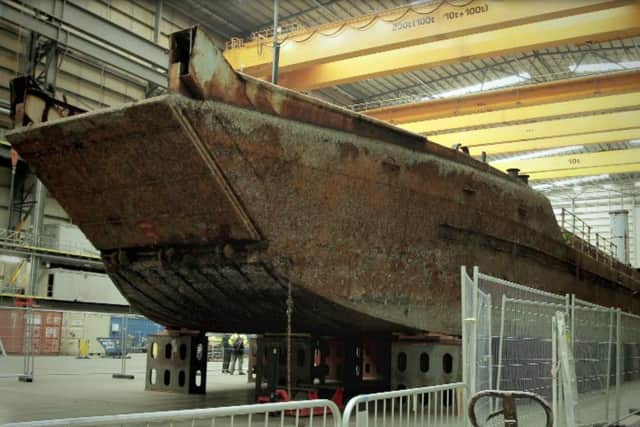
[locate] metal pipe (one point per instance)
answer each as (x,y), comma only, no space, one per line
(636,233)
(619,221)
(12,189)
(276,44)
(123,344)
(619,359)
(609,351)
(573,321)
(40,195)
(554,370)
(490,340)
(157,24)
(474,342)
(465,339)
(500,342)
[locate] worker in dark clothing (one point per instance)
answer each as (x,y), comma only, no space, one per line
(227,349)
(239,342)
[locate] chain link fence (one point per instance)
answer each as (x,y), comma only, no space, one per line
(603,349)
(30,335)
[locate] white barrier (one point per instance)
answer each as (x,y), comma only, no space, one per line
(321,413)
(424,406)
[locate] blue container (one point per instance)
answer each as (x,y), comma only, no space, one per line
(138,329)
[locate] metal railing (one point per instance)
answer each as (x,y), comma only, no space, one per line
(234,43)
(23,243)
(425,406)
(26,238)
(283,29)
(581,237)
(321,413)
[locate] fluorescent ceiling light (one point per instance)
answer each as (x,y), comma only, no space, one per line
(604,66)
(541,153)
(568,182)
(10,259)
(493,84)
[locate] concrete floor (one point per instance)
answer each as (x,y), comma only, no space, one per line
(68,387)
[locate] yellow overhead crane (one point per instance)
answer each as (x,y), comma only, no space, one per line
(439,33)
(589,110)
(583,111)
(515,103)
(605,137)
(573,165)
(547,128)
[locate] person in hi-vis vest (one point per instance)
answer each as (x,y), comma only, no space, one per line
(238,343)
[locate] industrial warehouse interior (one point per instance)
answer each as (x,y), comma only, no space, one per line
(333,212)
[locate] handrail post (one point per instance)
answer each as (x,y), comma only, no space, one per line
(619,360)
(614,252)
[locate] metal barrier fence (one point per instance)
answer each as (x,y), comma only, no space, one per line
(507,333)
(525,349)
(593,340)
(441,405)
(321,413)
(627,366)
(27,333)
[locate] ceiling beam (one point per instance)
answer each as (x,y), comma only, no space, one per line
(583,164)
(607,137)
(618,22)
(513,103)
(541,129)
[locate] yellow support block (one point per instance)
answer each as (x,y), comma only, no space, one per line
(541,129)
(607,137)
(572,164)
(622,21)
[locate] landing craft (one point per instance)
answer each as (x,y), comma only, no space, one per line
(211,203)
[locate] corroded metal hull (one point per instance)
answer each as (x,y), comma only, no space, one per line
(206,211)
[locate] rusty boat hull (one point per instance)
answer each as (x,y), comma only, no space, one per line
(207,211)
